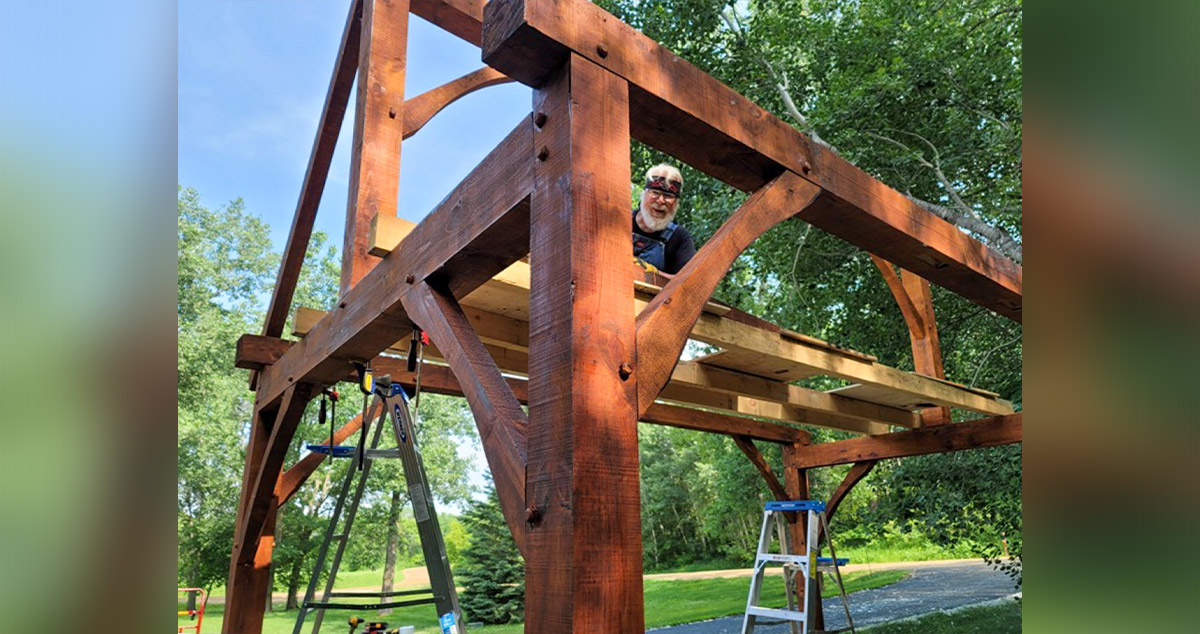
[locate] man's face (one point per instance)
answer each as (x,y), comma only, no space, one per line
(658,209)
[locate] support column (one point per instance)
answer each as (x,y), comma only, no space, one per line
(378,130)
(796,483)
(245,602)
(926,349)
(584,545)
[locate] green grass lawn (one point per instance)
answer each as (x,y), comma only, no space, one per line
(667,603)
(991,619)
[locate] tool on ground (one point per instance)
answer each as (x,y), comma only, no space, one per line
(195,614)
(797,567)
(393,404)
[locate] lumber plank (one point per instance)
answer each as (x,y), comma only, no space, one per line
(692,116)
(736,383)
(664,324)
(984,432)
(419,110)
(378,130)
(746,444)
(584,570)
(328,129)
(787,356)
(498,415)
(440,380)
(478,230)
(748,406)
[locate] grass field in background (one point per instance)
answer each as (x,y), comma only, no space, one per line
(667,603)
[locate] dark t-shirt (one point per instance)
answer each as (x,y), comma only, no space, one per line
(679,248)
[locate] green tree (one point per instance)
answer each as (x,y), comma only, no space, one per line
(492,571)
(224,266)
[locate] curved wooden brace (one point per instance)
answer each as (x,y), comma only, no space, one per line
(856,473)
(746,444)
(663,326)
(912,316)
(498,414)
(419,110)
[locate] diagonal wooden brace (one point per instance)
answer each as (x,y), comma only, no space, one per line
(498,414)
(663,326)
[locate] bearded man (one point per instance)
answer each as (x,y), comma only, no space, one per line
(657,239)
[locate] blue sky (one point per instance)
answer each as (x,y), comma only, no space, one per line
(252,80)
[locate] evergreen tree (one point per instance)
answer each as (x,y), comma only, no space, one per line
(492,572)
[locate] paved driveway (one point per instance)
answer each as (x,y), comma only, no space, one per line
(932,586)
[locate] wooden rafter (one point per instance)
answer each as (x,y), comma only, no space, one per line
(328,130)
(690,115)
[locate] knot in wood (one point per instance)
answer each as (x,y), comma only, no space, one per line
(533,515)
(410,279)
(602,50)
(806,167)
(391,113)
(625,370)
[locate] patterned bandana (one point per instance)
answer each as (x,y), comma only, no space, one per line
(661,183)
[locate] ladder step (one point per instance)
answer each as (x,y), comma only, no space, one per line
(778,558)
(787,615)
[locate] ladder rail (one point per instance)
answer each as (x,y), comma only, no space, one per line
(330,535)
(420,495)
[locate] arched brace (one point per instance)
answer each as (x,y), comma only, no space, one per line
(419,110)
(663,326)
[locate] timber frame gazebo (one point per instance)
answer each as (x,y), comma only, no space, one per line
(557,189)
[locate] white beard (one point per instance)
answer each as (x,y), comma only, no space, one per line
(652,224)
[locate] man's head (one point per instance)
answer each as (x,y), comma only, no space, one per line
(660,196)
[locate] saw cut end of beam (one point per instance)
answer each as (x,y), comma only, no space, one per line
(385,234)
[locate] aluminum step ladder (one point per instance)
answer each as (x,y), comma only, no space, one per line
(392,404)
(797,567)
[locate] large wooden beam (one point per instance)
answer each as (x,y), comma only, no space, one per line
(583,572)
(328,129)
(498,415)
(663,326)
(478,230)
(985,432)
(378,129)
(462,18)
(686,113)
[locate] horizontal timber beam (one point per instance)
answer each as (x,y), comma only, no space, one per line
(476,231)
(256,351)
(692,116)
(985,432)
(462,18)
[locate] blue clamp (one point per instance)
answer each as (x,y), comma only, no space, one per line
(337,451)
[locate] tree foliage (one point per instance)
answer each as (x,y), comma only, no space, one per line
(491,571)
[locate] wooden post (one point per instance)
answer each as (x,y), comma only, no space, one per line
(584,543)
(796,483)
(378,130)
(927,351)
(244,602)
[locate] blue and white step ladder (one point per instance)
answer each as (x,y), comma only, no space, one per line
(797,567)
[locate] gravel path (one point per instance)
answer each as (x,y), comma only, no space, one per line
(932,586)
